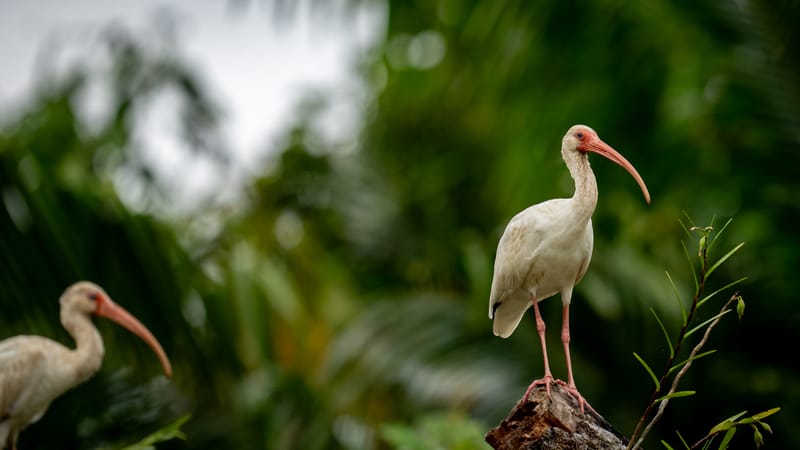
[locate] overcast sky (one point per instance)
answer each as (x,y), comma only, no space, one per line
(256,66)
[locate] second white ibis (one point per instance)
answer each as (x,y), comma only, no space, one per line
(35,370)
(546,249)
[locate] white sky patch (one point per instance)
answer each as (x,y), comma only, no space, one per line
(253,66)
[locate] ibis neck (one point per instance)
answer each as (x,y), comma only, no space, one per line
(88,354)
(585,196)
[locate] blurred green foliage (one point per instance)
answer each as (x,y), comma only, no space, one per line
(346,286)
(167,433)
(436,431)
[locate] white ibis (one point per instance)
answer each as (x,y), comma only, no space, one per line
(546,249)
(35,370)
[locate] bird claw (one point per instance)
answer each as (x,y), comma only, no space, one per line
(574,392)
(546,381)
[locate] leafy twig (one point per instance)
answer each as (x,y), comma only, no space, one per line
(728,426)
(700,277)
(662,404)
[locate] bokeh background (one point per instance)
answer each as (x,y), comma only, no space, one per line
(315,254)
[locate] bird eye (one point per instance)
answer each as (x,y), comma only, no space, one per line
(93,296)
(579,135)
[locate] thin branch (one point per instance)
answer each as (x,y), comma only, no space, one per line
(700,283)
(663,404)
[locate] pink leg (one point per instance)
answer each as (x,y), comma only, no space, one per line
(548,376)
(570,385)
(565,341)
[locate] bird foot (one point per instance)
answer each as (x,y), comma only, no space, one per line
(574,392)
(546,381)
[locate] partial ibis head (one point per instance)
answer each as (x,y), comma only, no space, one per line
(583,139)
(87,298)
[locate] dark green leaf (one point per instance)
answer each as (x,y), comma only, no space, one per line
(709,296)
(689,259)
(719,233)
(649,371)
(723,259)
(683,441)
(666,335)
(757,437)
(727,438)
(765,414)
(695,357)
(677,298)
(727,423)
(706,322)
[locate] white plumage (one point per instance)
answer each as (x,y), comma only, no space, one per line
(35,370)
(541,253)
(546,249)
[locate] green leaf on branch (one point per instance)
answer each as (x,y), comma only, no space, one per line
(727,438)
(765,414)
(695,357)
(649,370)
(757,437)
(709,296)
(676,394)
(683,441)
(723,259)
(684,226)
(706,322)
(727,423)
(677,297)
(689,259)
(666,335)
(719,233)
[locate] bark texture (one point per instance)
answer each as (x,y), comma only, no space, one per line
(539,422)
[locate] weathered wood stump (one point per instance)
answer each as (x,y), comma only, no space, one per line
(540,422)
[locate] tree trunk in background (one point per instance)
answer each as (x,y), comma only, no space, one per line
(542,423)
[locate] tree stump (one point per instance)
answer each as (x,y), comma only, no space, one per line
(539,422)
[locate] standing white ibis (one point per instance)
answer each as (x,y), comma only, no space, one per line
(546,249)
(35,370)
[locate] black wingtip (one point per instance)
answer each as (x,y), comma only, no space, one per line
(494,309)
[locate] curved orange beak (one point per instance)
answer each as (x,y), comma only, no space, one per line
(598,146)
(109,309)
